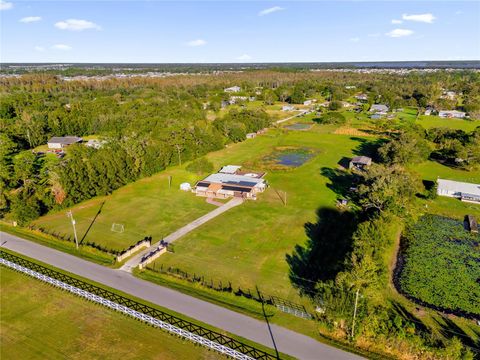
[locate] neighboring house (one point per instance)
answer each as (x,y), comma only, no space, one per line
(377,116)
(429,110)
(62,142)
(288,108)
(461,190)
(361,97)
(235,99)
(233,89)
(226,184)
(94,143)
(308,102)
(251,135)
(451,114)
(379,108)
(360,162)
(349,87)
(449,95)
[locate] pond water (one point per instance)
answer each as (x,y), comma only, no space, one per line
(293,159)
(298,126)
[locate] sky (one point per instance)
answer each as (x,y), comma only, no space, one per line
(238,31)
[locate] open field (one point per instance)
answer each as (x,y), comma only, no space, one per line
(147,207)
(41,322)
(435,121)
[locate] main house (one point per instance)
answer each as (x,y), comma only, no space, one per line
(230,181)
(60,142)
(461,190)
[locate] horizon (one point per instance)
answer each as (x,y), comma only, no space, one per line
(238,32)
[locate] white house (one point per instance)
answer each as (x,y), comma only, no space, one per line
(233,89)
(288,108)
(60,142)
(251,135)
(308,102)
(461,190)
(451,114)
(225,185)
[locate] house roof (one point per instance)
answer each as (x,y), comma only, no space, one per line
(379,107)
(233,179)
(65,140)
(459,187)
(451,112)
(230,169)
(362,160)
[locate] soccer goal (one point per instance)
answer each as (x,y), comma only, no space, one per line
(118,228)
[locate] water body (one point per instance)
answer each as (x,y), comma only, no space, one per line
(294,159)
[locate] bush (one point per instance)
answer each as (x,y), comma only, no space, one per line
(200,166)
(335,105)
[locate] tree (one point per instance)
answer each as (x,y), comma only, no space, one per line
(407,148)
(387,188)
(332,117)
(335,105)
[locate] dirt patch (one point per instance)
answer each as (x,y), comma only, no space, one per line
(346,130)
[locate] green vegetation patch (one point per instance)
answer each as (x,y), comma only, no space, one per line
(41,322)
(287,157)
(442,264)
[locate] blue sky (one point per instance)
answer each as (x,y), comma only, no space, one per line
(238,31)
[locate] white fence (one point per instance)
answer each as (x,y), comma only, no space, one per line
(126,310)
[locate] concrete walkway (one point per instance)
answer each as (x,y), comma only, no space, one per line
(289,342)
(302,112)
(134,261)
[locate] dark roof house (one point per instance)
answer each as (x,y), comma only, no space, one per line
(360,162)
(58,142)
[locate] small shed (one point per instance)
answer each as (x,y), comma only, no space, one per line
(251,135)
(185,186)
(360,162)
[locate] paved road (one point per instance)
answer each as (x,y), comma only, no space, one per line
(135,260)
(289,342)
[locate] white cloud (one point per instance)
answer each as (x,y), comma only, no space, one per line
(270,10)
(39,48)
(76,25)
(426,18)
(61,47)
(30,19)
(354,39)
(244,57)
(396,21)
(5,5)
(396,33)
(198,42)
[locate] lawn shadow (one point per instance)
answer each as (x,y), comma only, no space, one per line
(340,181)
(449,329)
(367,147)
(408,316)
(92,222)
(323,255)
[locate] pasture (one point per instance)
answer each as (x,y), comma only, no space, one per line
(41,322)
(429,122)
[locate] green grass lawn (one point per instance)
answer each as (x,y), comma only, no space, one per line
(146,207)
(435,121)
(41,322)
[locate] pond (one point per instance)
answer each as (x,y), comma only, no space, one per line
(287,157)
(298,126)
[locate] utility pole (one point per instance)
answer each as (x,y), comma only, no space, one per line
(170,181)
(355,311)
(70,215)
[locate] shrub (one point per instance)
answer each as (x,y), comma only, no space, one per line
(332,117)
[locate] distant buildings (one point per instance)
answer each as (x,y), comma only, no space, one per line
(233,89)
(379,108)
(449,95)
(96,144)
(236,99)
(308,102)
(251,135)
(361,97)
(429,110)
(61,142)
(451,114)
(231,182)
(360,162)
(349,87)
(461,190)
(288,108)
